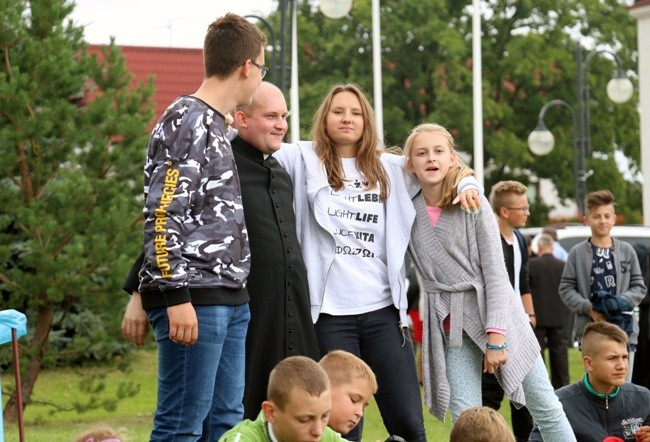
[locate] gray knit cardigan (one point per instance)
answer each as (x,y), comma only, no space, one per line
(464,276)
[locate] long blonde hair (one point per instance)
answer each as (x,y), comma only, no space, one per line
(456,173)
(369,147)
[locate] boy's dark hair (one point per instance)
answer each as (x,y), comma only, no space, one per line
(229,42)
(599,198)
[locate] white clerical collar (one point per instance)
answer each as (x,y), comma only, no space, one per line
(271,435)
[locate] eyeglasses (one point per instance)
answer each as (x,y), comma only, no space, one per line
(523,208)
(263,69)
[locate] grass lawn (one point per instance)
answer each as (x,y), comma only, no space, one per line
(134,415)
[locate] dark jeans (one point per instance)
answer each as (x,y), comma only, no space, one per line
(553,339)
(522,421)
(377,338)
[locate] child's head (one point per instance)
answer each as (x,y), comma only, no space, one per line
(432,158)
(99,434)
(352,383)
(481,424)
(298,400)
(604,355)
(509,201)
(601,213)
(231,42)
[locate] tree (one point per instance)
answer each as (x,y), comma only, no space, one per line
(72,135)
(528,58)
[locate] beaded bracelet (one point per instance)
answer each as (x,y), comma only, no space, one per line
(496,347)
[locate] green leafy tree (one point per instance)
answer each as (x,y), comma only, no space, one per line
(528,51)
(72,136)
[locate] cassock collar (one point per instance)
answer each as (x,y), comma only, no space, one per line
(247,149)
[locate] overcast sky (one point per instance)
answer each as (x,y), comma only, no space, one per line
(158,22)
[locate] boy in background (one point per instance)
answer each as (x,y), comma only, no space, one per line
(602,279)
(510,204)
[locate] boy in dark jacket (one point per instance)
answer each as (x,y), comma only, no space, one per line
(602,404)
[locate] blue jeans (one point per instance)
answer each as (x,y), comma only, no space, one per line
(464,368)
(376,338)
(204,381)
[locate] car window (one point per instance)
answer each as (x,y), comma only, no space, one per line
(568,243)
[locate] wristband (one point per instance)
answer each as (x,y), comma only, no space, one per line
(496,347)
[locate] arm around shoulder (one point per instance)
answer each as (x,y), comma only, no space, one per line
(468,183)
(288,156)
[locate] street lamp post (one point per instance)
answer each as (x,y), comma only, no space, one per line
(619,90)
(272,42)
(541,140)
(278,64)
(283,46)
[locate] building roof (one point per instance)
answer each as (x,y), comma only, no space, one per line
(176,71)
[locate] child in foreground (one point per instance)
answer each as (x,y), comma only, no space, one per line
(352,383)
(470,307)
(481,424)
(602,406)
(297,408)
(99,434)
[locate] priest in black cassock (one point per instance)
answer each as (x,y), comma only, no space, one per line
(281,322)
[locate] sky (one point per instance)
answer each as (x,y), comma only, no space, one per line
(158,22)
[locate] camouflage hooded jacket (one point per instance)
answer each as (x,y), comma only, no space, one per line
(195,239)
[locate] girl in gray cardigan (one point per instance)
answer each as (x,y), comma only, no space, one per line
(470,307)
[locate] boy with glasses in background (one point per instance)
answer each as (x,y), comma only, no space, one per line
(510,204)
